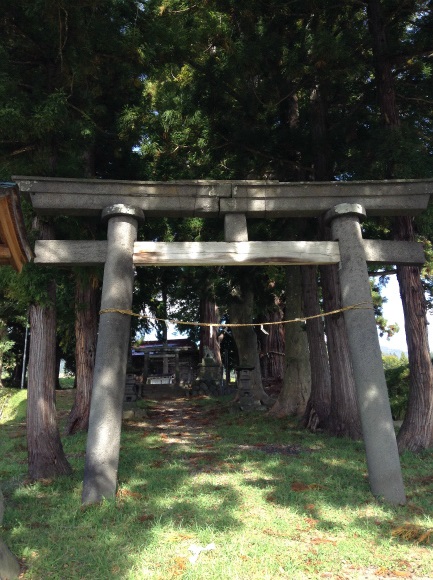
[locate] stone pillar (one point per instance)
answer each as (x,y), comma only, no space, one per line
(9,565)
(165,362)
(235,227)
(377,425)
(103,439)
(177,368)
(145,373)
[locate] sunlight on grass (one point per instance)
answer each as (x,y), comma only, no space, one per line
(276,502)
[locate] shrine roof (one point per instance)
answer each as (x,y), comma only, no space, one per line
(14,247)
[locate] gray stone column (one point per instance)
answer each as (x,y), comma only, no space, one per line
(377,425)
(177,368)
(103,439)
(9,565)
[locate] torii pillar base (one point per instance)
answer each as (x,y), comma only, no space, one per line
(103,439)
(377,425)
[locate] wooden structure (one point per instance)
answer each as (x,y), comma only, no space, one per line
(123,204)
(14,247)
(14,251)
(174,362)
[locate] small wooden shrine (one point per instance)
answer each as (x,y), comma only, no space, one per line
(173,362)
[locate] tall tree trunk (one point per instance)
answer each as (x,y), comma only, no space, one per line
(344,418)
(297,380)
(45,452)
(241,312)
(209,342)
(416,432)
(272,345)
(318,409)
(86,331)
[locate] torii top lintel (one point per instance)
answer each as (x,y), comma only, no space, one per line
(211,198)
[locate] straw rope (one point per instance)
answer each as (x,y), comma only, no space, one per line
(360,306)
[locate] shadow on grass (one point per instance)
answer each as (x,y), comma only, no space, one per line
(56,538)
(182,490)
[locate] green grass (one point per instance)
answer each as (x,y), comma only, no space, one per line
(270,514)
(66,382)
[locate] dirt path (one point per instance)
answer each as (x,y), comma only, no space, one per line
(183,421)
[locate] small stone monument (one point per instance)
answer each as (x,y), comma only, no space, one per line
(209,378)
(245,392)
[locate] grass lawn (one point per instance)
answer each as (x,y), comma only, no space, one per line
(267,499)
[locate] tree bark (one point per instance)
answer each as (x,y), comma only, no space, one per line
(272,345)
(209,342)
(86,331)
(318,409)
(295,393)
(382,64)
(344,418)
(241,312)
(416,432)
(46,457)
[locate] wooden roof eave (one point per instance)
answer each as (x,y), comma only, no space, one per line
(14,247)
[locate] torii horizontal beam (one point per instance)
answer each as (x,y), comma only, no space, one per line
(210,198)
(86,253)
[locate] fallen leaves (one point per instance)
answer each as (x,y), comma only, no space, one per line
(392,573)
(124,493)
(414,533)
(299,486)
(275,533)
(317,541)
(145,518)
(157,464)
(178,568)
(311,523)
(179,537)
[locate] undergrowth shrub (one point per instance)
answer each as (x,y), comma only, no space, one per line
(397,378)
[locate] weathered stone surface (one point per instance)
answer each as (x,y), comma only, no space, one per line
(103,439)
(9,565)
(377,425)
(211,198)
(235,227)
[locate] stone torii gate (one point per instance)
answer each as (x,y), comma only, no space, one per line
(124,203)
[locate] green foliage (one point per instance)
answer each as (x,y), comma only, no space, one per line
(57,76)
(397,380)
(12,405)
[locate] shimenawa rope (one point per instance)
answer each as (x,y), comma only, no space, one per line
(360,306)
